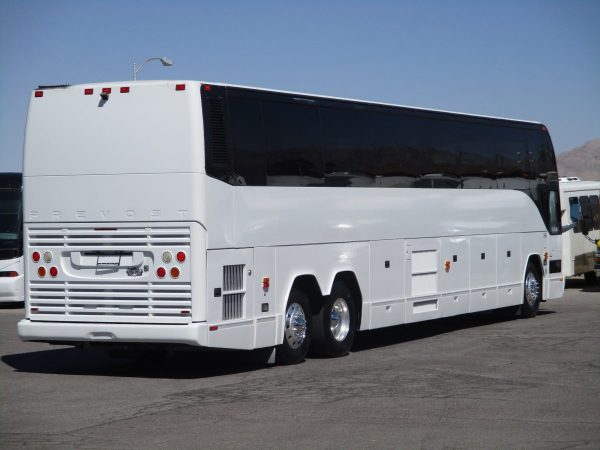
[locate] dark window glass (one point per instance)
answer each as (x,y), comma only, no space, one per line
(476,144)
(248,140)
(293,142)
(595,205)
(346,146)
(438,153)
(395,156)
(512,158)
(586,213)
(11,224)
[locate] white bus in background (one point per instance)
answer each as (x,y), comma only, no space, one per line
(208,215)
(11,238)
(580,244)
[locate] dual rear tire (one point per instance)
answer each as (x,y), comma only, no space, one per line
(328,332)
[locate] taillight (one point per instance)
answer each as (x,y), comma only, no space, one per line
(41,271)
(35,256)
(175,272)
(181,257)
(161,272)
(53,271)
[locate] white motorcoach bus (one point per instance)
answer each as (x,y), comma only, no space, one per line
(181,212)
(11,238)
(580,244)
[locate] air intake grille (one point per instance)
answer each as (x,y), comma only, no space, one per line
(233,306)
(233,278)
(234,292)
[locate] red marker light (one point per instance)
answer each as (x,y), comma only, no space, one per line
(35,256)
(207,87)
(266,282)
(39,93)
(180,87)
(88,91)
(213,328)
(53,271)
(41,272)
(175,272)
(106,90)
(124,90)
(181,257)
(161,272)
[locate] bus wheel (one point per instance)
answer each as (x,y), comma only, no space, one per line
(335,325)
(532,291)
(297,330)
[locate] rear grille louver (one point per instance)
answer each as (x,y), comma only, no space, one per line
(234,292)
(91,298)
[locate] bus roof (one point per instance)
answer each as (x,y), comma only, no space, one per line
(274,91)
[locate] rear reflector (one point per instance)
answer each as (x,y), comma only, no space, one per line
(39,93)
(106,90)
(213,328)
(180,87)
(88,91)
(124,90)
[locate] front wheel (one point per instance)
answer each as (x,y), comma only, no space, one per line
(532,291)
(335,324)
(297,330)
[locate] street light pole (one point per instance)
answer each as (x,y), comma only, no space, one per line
(164,61)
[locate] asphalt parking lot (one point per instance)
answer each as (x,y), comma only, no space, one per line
(474,381)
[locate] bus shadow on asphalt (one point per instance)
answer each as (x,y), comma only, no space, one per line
(205,364)
(384,337)
(98,362)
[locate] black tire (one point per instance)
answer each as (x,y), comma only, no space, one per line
(532,291)
(293,350)
(590,278)
(334,329)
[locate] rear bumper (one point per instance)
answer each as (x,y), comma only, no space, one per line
(195,334)
(11,289)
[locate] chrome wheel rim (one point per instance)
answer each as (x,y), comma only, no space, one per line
(295,326)
(532,289)
(339,320)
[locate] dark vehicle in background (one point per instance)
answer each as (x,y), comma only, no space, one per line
(11,237)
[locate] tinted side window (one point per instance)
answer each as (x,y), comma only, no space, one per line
(248,140)
(293,143)
(575,201)
(512,158)
(395,156)
(586,212)
(346,146)
(477,155)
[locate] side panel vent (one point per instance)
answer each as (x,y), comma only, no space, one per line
(233,306)
(233,278)
(233,292)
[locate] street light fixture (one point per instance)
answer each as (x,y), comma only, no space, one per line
(164,61)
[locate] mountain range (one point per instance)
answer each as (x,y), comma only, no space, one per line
(582,162)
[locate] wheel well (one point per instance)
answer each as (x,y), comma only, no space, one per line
(310,286)
(537,262)
(349,279)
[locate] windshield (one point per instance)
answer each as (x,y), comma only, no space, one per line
(10,223)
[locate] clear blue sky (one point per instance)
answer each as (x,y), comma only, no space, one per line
(533,60)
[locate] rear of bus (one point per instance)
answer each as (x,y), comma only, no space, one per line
(115,249)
